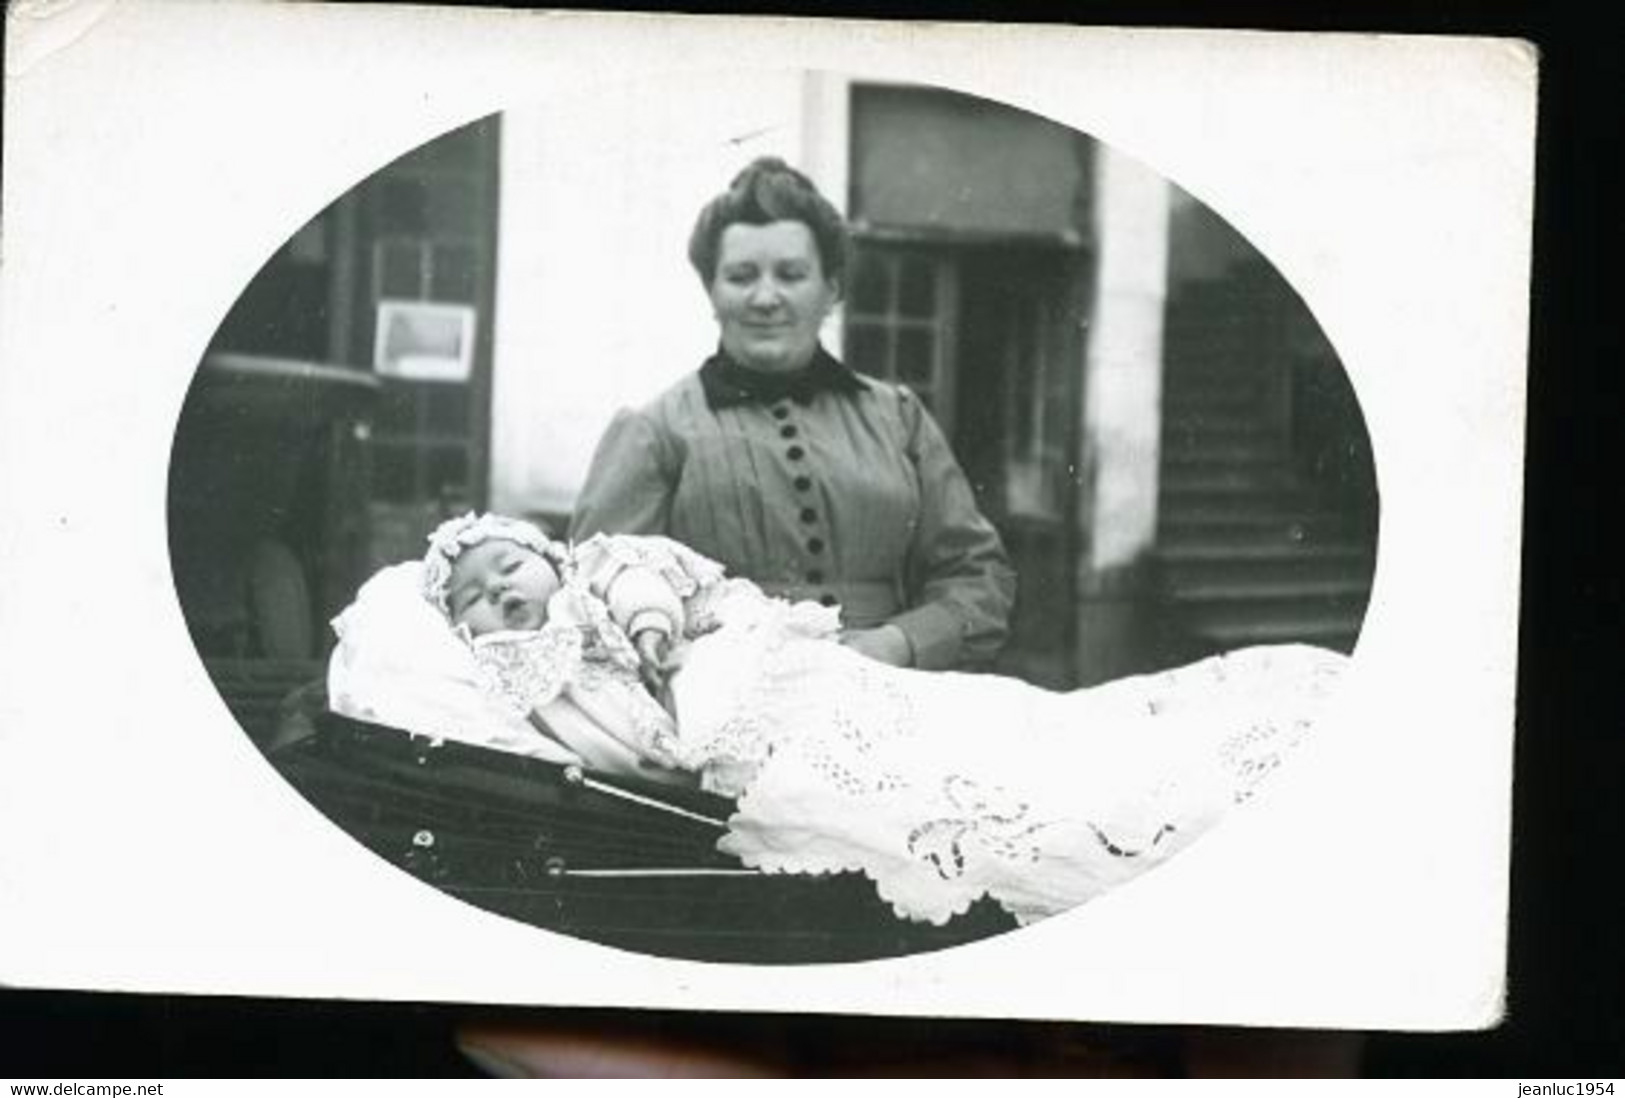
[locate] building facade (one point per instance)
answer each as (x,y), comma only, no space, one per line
(1149,414)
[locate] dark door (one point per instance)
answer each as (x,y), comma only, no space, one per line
(989,337)
(1017,428)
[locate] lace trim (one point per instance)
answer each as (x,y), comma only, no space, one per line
(524,671)
(820,791)
(988,818)
(765,634)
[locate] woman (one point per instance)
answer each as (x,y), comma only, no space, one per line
(790,469)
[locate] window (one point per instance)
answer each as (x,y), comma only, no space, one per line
(900,320)
(427,228)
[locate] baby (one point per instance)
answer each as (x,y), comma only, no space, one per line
(940,787)
(580,641)
(491,574)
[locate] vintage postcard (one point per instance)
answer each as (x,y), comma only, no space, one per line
(762,514)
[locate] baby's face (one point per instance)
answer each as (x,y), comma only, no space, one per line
(500,585)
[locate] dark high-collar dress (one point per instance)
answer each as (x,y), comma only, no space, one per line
(825,485)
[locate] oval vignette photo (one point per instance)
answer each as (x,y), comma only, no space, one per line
(774,518)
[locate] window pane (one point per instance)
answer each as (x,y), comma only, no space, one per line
(399,269)
(866,348)
(450,206)
(916,290)
(402,206)
(448,472)
(392,469)
(914,356)
(396,411)
(453,274)
(870,290)
(447,408)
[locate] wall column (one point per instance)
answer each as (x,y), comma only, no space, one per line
(597,307)
(1122,416)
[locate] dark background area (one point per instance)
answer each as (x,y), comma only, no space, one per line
(1565,1014)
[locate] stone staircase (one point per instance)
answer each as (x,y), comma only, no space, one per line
(1250,549)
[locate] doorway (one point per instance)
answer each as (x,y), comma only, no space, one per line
(989,337)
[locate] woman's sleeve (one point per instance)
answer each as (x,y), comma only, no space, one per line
(959,577)
(630,482)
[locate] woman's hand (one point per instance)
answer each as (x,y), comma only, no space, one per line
(885,643)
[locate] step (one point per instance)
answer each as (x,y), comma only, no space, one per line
(1225,350)
(1205,313)
(1203,577)
(1230,550)
(1203,519)
(1269,619)
(1236,355)
(1214,365)
(1338,634)
(1223,403)
(1219,426)
(1199,345)
(1234,364)
(1179,455)
(1193,476)
(1236,494)
(1300,562)
(1192,354)
(1218,449)
(1223,508)
(1320,591)
(1210,380)
(1197,338)
(1294,533)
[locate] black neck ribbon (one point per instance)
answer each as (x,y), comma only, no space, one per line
(727,384)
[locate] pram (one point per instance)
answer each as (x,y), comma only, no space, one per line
(614,861)
(530,840)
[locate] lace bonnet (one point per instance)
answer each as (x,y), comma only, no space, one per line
(454,536)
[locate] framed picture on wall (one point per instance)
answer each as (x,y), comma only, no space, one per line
(424,341)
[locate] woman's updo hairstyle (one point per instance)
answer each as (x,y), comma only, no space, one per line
(769,190)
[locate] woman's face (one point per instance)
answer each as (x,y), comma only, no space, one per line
(500,585)
(770,294)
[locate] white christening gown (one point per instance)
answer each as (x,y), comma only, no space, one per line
(942,787)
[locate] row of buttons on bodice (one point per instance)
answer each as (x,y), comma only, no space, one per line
(808,514)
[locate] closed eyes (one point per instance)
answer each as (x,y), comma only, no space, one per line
(745,276)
